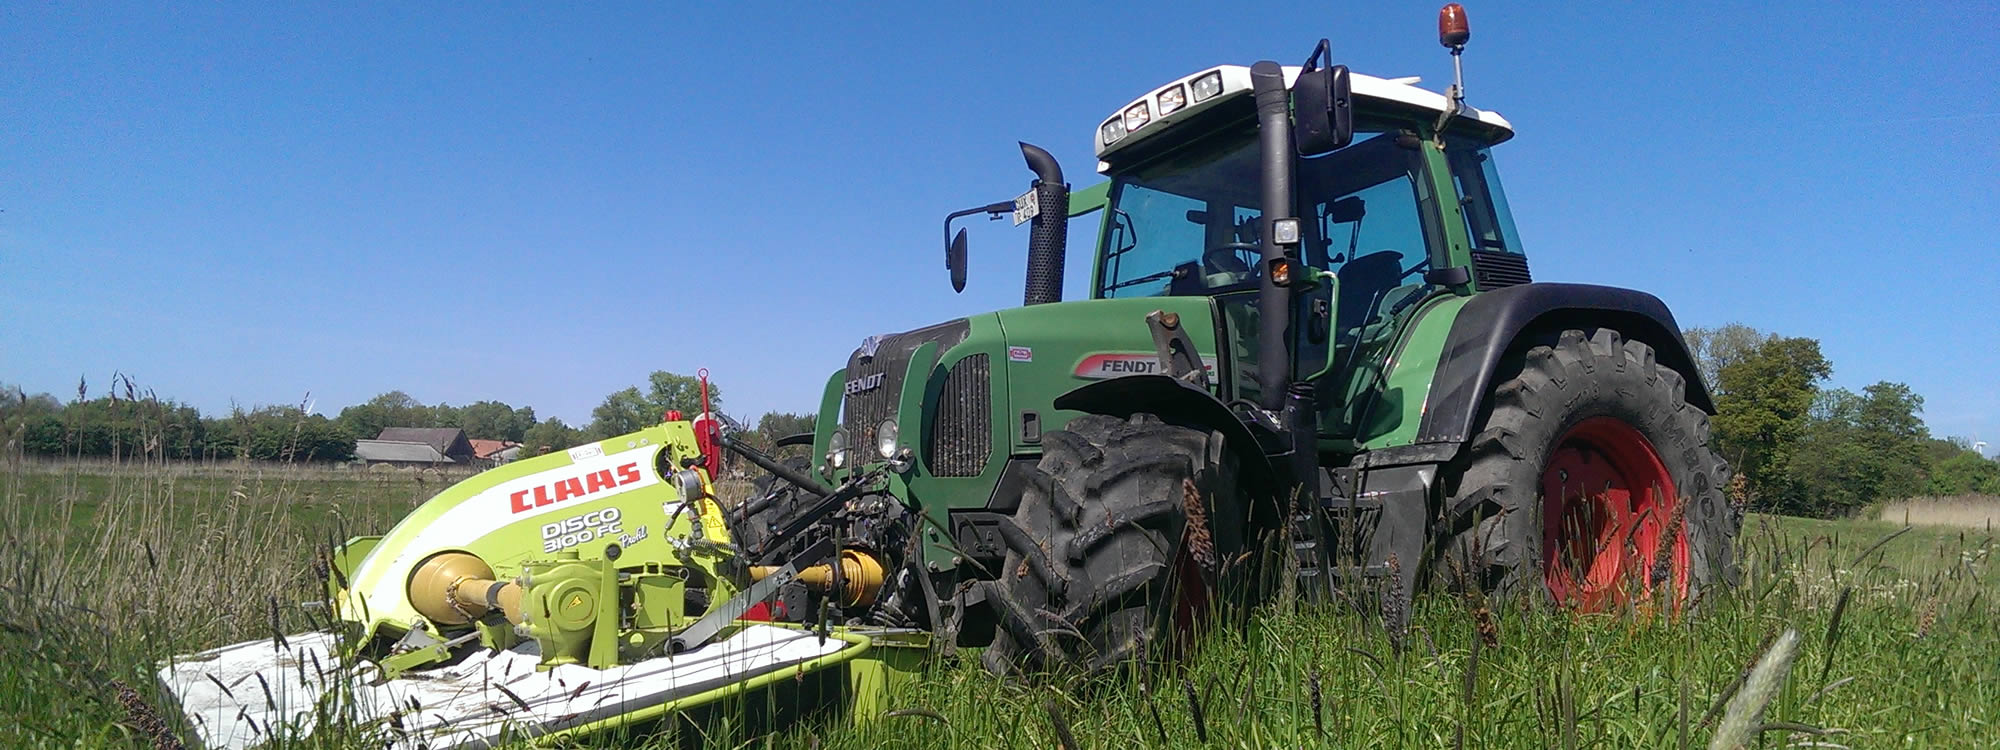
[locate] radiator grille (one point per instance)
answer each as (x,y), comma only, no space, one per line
(961,434)
(882,373)
(1495,270)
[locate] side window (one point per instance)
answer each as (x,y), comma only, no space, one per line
(1488,222)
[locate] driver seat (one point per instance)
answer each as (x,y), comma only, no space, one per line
(1362,281)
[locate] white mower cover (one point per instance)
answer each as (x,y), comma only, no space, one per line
(460,705)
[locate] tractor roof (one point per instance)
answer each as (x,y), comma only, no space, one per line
(1231,83)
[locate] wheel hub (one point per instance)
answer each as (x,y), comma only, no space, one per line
(1607,502)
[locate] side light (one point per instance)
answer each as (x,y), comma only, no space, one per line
(1281,271)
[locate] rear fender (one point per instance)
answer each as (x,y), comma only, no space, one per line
(1494,324)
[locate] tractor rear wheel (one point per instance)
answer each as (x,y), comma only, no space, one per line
(1110,552)
(1593,480)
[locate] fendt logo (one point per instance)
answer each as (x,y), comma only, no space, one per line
(1102,366)
(574,487)
(863,384)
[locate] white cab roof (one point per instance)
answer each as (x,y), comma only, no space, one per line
(1236,83)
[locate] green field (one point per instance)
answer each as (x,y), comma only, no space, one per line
(103,574)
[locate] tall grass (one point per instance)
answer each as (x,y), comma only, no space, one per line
(1970,511)
(102,577)
(1895,645)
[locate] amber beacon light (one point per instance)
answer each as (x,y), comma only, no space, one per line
(1453,31)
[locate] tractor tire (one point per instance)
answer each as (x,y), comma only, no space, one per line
(1588,462)
(1110,547)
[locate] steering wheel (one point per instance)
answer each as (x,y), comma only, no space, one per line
(1226,258)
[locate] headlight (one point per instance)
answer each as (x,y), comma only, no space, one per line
(1172,100)
(1112,131)
(1207,86)
(836,449)
(885,438)
(1136,117)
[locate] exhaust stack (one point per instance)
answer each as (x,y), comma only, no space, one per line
(1049,231)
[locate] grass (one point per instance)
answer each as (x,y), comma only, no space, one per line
(1896,641)
(1969,511)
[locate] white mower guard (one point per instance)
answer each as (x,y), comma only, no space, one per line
(478,702)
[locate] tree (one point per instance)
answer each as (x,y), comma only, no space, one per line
(493,420)
(622,412)
(393,409)
(778,424)
(550,436)
(29,424)
(1717,348)
(1860,449)
(1894,436)
(629,410)
(280,433)
(1761,413)
(366,420)
(670,392)
(1964,474)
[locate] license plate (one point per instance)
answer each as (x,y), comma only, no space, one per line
(1026,207)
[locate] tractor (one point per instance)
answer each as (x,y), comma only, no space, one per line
(1310,319)
(1312,352)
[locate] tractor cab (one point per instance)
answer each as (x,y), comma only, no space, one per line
(1184,216)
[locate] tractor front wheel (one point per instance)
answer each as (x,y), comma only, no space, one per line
(1110,553)
(1592,480)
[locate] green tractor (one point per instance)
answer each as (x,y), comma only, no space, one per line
(1311,339)
(1310,319)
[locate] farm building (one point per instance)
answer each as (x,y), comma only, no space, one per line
(399,453)
(447,441)
(496,451)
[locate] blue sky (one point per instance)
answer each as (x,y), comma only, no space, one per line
(244,203)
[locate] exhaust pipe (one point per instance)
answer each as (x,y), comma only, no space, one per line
(1048,232)
(1274,303)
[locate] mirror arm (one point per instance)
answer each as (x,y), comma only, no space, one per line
(992,210)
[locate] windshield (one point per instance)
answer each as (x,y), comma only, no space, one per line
(1188,224)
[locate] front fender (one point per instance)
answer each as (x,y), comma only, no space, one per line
(1174,402)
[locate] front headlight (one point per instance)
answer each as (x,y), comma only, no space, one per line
(1113,130)
(885,438)
(1136,117)
(1207,86)
(1172,100)
(836,449)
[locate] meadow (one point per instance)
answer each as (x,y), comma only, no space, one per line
(1890,632)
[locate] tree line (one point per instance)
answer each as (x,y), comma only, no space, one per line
(1801,448)
(128,422)
(1798,447)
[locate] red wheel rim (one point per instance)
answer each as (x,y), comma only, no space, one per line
(1607,500)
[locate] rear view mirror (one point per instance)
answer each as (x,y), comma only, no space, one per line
(1347,210)
(1322,106)
(954,260)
